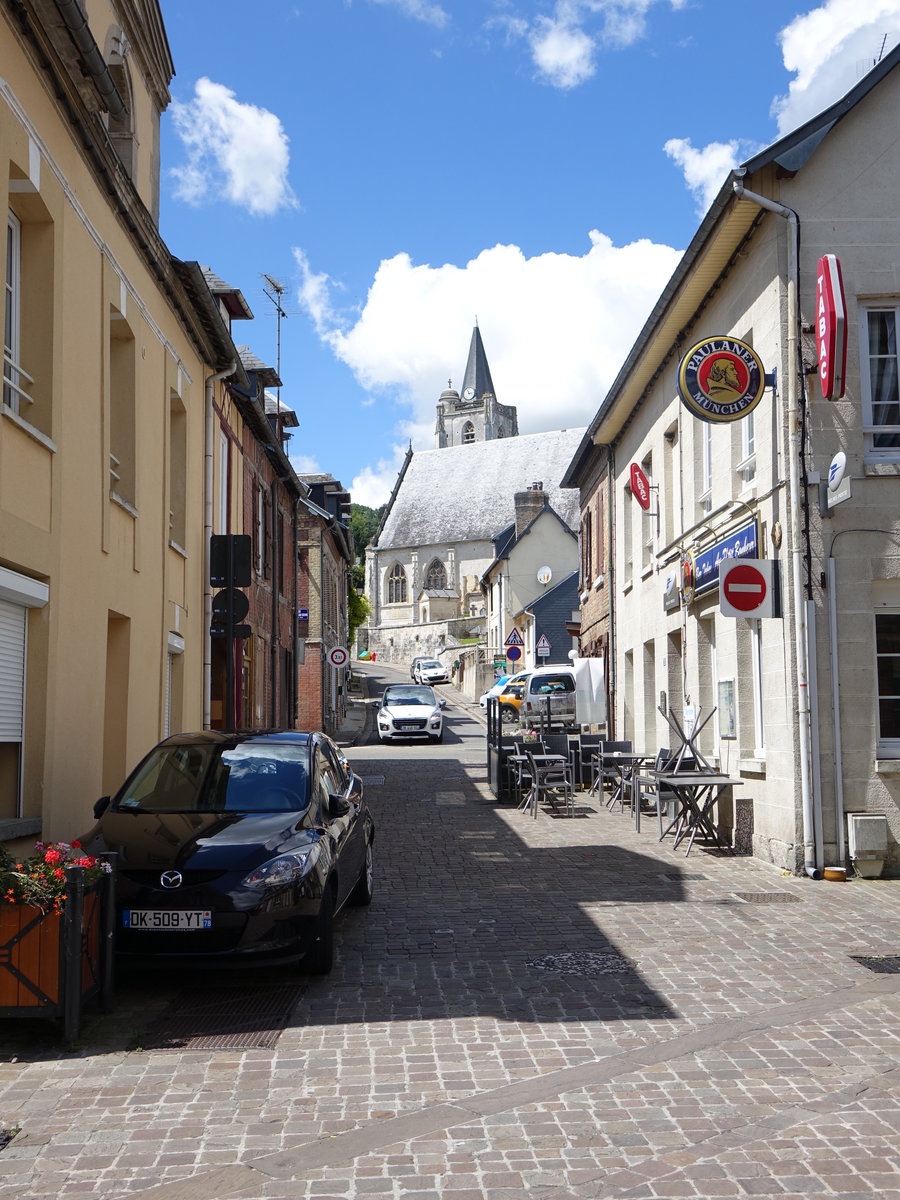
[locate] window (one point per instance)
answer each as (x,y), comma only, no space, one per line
(224,515)
(586,550)
(747,465)
(396,585)
(601,546)
(177,470)
(881,399)
(627,548)
(704,492)
(121,408)
(647,517)
(887,662)
(436,576)
(121,125)
(468,432)
(12,389)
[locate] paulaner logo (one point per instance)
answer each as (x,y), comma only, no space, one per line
(721,379)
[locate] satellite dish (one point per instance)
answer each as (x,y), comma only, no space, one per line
(544,575)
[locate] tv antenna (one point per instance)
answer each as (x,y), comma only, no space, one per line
(278,289)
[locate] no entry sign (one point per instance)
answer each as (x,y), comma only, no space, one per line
(748,588)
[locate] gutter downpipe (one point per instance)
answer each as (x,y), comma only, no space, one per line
(211,381)
(812,865)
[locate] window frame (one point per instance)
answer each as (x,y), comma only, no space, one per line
(886,747)
(871,429)
(397,575)
(12,313)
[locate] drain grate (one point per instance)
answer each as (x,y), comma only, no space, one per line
(767,897)
(682,877)
(883,964)
(373,780)
(586,963)
(233,1018)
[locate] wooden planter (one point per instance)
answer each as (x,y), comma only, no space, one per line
(52,963)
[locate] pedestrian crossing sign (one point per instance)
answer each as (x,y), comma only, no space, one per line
(515,638)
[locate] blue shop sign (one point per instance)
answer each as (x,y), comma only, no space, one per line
(744,543)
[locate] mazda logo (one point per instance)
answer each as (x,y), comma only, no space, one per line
(170,879)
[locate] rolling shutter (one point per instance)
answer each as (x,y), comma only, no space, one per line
(12,671)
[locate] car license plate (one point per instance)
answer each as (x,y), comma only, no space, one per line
(175,918)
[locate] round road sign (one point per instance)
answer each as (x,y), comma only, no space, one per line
(513,652)
(745,587)
(338,656)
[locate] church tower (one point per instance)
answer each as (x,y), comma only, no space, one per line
(476,415)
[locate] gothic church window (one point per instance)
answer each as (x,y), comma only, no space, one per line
(436,576)
(468,432)
(396,585)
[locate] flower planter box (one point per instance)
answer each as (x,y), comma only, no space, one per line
(52,963)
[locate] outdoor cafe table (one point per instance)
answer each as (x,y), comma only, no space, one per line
(624,763)
(696,794)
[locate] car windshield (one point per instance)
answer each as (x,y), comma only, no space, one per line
(409,696)
(250,777)
(431,665)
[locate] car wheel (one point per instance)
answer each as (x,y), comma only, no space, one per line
(361,895)
(320,958)
(508,714)
(438,737)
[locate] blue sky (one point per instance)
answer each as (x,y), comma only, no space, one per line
(405,167)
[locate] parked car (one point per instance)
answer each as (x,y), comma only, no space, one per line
(410,710)
(510,700)
(550,691)
(429,670)
(494,690)
(414,667)
(236,848)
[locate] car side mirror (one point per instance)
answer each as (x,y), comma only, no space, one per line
(441,703)
(101,806)
(338,806)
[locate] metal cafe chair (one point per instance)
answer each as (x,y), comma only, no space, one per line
(551,781)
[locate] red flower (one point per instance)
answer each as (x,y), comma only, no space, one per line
(52,857)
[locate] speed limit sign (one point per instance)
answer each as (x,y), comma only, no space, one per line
(338,656)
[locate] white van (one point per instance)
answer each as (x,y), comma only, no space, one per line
(549,692)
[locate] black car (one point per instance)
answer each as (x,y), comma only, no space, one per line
(236,848)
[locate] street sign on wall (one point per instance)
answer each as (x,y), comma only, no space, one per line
(640,487)
(749,588)
(831,326)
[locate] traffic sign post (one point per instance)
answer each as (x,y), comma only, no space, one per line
(338,657)
(515,638)
(748,587)
(543,646)
(513,653)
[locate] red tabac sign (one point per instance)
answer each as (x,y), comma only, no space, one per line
(640,487)
(831,326)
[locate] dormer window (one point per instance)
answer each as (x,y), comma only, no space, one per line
(121,127)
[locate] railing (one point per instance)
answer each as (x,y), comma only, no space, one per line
(12,372)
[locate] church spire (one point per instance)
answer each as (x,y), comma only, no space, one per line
(477,379)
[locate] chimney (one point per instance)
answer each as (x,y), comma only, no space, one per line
(528,505)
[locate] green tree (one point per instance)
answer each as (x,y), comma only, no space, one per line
(363,524)
(357,611)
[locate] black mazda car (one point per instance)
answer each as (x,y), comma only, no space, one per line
(236,848)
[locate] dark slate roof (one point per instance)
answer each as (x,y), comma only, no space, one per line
(465,493)
(551,611)
(478,373)
(252,363)
(288,416)
(237,307)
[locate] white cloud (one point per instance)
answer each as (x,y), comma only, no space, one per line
(828,50)
(563,54)
(305,464)
(373,485)
(578,316)
(233,149)
(704,170)
(564,46)
(419,10)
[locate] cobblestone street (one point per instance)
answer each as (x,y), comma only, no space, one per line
(547,1008)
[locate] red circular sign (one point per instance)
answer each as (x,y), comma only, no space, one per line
(745,587)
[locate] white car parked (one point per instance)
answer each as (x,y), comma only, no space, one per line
(410,710)
(429,670)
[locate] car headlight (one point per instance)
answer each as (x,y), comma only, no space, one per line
(284,870)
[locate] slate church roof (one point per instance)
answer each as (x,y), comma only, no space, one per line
(465,493)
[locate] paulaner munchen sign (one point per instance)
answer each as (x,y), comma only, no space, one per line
(721,379)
